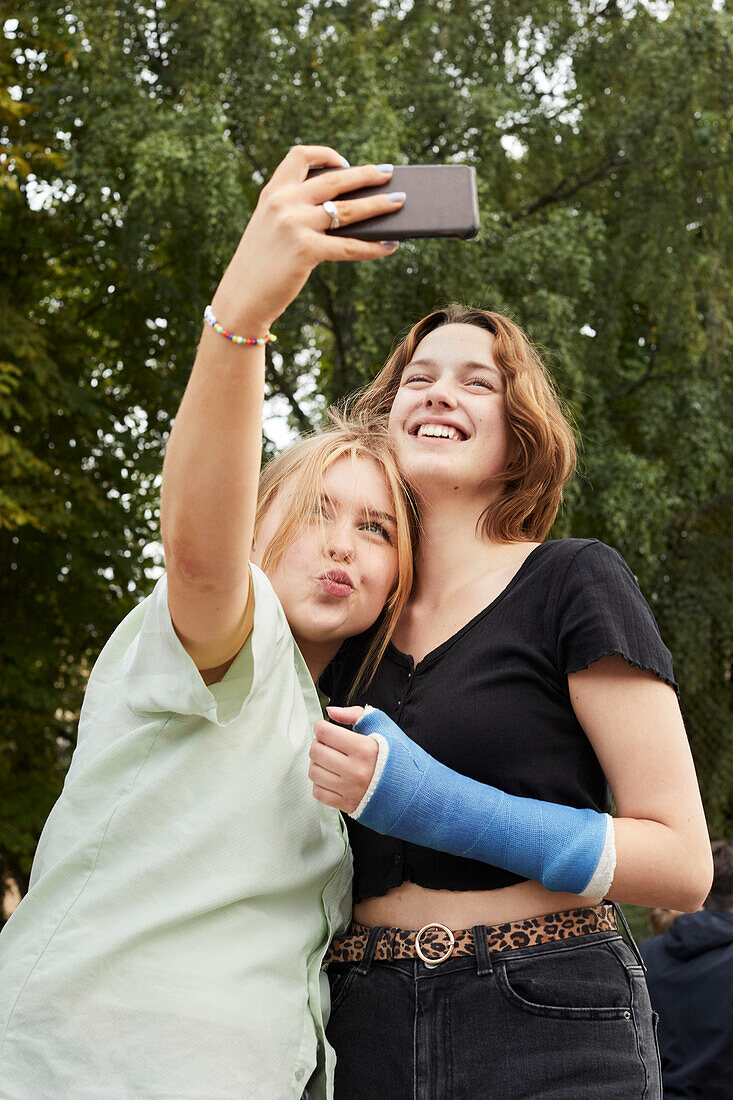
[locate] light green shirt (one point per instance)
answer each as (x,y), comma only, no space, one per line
(186,884)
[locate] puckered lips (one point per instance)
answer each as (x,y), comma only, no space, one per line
(427,428)
(336,582)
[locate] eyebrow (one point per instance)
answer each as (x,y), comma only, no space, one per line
(469,364)
(385,516)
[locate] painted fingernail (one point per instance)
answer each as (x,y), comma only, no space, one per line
(397,196)
(390,244)
(386,168)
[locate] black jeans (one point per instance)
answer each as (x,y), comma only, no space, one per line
(567,1020)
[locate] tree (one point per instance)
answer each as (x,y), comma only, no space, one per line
(600,134)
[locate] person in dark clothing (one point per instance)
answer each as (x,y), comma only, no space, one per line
(529,679)
(690,980)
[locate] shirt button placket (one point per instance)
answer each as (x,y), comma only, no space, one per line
(407,690)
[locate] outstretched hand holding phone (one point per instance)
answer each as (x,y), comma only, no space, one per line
(212,462)
(286,236)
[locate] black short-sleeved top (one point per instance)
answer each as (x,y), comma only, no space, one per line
(492,702)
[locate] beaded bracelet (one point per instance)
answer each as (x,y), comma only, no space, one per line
(210,319)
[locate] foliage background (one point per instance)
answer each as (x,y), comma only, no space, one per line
(134,139)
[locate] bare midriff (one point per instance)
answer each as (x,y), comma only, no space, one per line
(410,906)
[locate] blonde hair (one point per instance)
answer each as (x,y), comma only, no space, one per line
(544,452)
(299,471)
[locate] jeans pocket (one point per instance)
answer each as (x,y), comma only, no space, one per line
(340,977)
(628,958)
(585,981)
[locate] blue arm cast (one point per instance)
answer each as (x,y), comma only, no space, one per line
(415,798)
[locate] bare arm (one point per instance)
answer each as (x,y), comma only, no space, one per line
(634,723)
(212,463)
(209,498)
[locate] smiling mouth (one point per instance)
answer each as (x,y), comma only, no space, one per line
(438,431)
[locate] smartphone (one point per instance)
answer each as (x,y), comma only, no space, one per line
(442,201)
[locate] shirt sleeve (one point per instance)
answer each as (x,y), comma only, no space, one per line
(602,612)
(155,674)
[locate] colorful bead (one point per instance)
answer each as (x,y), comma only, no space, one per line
(256,340)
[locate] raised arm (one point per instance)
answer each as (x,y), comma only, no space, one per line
(212,462)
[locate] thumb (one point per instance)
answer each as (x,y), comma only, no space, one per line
(345,716)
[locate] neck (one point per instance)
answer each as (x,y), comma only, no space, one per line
(452,550)
(317,655)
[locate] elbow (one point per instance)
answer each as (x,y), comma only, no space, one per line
(703,887)
(188,556)
(203,569)
(186,545)
(692,889)
(691,902)
(184,560)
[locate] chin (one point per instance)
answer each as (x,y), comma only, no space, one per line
(324,629)
(432,468)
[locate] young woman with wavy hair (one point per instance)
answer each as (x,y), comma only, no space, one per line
(526,690)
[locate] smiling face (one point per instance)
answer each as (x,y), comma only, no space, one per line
(335,578)
(448,417)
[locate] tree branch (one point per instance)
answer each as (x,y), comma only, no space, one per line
(689,522)
(608,10)
(282,385)
(519,128)
(565,191)
(648,375)
(334,327)
(119,292)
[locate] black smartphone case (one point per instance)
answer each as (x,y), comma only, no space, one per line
(442,201)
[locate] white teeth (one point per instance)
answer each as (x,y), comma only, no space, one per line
(440,430)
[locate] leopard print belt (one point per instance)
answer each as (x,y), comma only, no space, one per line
(435,943)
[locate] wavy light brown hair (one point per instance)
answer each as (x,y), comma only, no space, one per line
(298,472)
(544,455)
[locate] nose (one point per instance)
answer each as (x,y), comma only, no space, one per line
(440,395)
(340,544)
(340,553)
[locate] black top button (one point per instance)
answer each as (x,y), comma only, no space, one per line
(398,857)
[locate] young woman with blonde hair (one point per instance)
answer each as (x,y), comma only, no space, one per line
(187,884)
(525,686)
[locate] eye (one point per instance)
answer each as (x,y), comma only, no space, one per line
(483,382)
(415,378)
(377,528)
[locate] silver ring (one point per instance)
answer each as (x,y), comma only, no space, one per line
(330,209)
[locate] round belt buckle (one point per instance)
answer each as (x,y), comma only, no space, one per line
(449,951)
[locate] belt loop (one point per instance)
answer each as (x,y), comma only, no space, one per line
(632,941)
(371,947)
(483,960)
